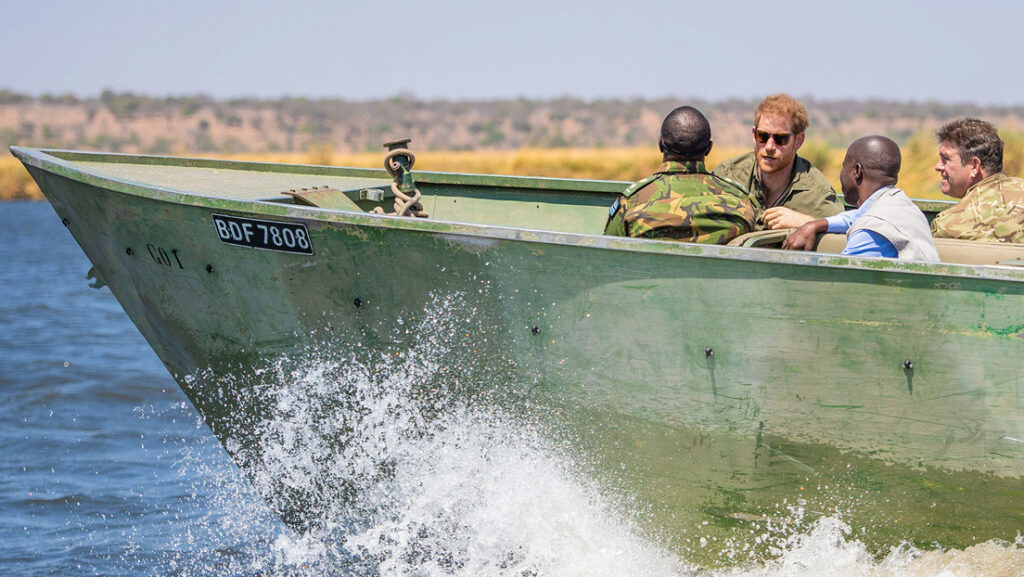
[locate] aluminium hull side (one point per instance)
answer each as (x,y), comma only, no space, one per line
(737,372)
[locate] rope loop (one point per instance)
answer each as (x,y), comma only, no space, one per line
(405,205)
(392,166)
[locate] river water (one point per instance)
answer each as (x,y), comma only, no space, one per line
(108,470)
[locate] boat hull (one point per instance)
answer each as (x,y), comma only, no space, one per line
(723,387)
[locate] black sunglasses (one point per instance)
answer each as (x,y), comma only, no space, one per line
(762,137)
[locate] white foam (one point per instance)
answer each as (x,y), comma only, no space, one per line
(441,486)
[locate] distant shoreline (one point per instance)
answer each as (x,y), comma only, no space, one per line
(188,125)
(565,137)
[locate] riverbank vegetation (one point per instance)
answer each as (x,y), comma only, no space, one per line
(918,176)
(562,137)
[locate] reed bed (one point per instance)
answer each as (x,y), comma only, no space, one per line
(15,181)
(918,176)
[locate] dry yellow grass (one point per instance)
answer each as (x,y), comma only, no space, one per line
(594,163)
(918,177)
(15,181)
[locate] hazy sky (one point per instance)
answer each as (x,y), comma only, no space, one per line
(950,51)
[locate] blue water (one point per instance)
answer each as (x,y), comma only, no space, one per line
(106,468)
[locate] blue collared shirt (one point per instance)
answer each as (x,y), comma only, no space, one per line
(862,242)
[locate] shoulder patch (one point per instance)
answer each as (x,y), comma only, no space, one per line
(631,190)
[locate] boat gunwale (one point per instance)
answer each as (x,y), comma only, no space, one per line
(429,177)
(65,165)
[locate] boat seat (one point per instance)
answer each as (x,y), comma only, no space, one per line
(973,252)
(762,238)
(831,243)
(954,251)
(951,250)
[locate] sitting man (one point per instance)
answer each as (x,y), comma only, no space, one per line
(991,206)
(682,200)
(886,222)
(784,188)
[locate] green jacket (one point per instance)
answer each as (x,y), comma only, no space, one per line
(991,211)
(682,201)
(809,192)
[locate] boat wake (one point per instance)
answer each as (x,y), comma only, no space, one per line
(402,462)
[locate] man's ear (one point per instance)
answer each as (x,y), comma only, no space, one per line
(975,165)
(858,172)
(661,147)
(799,140)
(711,143)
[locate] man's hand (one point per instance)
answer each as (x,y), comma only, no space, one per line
(805,237)
(782,217)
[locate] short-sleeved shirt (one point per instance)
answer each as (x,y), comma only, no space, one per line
(991,211)
(809,192)
(682,201)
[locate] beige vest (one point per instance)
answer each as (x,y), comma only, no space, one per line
(893,215)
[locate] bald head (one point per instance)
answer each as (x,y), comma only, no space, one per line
(876,154)
(685,134)
(871,162)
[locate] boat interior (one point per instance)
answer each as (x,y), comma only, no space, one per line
(549,204)
(539,209)
(581,214)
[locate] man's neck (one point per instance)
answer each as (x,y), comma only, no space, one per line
(981,176)
(774,185)
(677,158)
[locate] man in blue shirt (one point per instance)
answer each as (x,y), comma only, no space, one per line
(886,223)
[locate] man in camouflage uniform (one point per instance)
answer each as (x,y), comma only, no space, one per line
(991,206)
(682,200)
(785,189)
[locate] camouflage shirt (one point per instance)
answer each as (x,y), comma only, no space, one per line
(809,192)
(682,201)
(991,211)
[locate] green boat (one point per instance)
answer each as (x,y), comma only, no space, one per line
(719,387)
